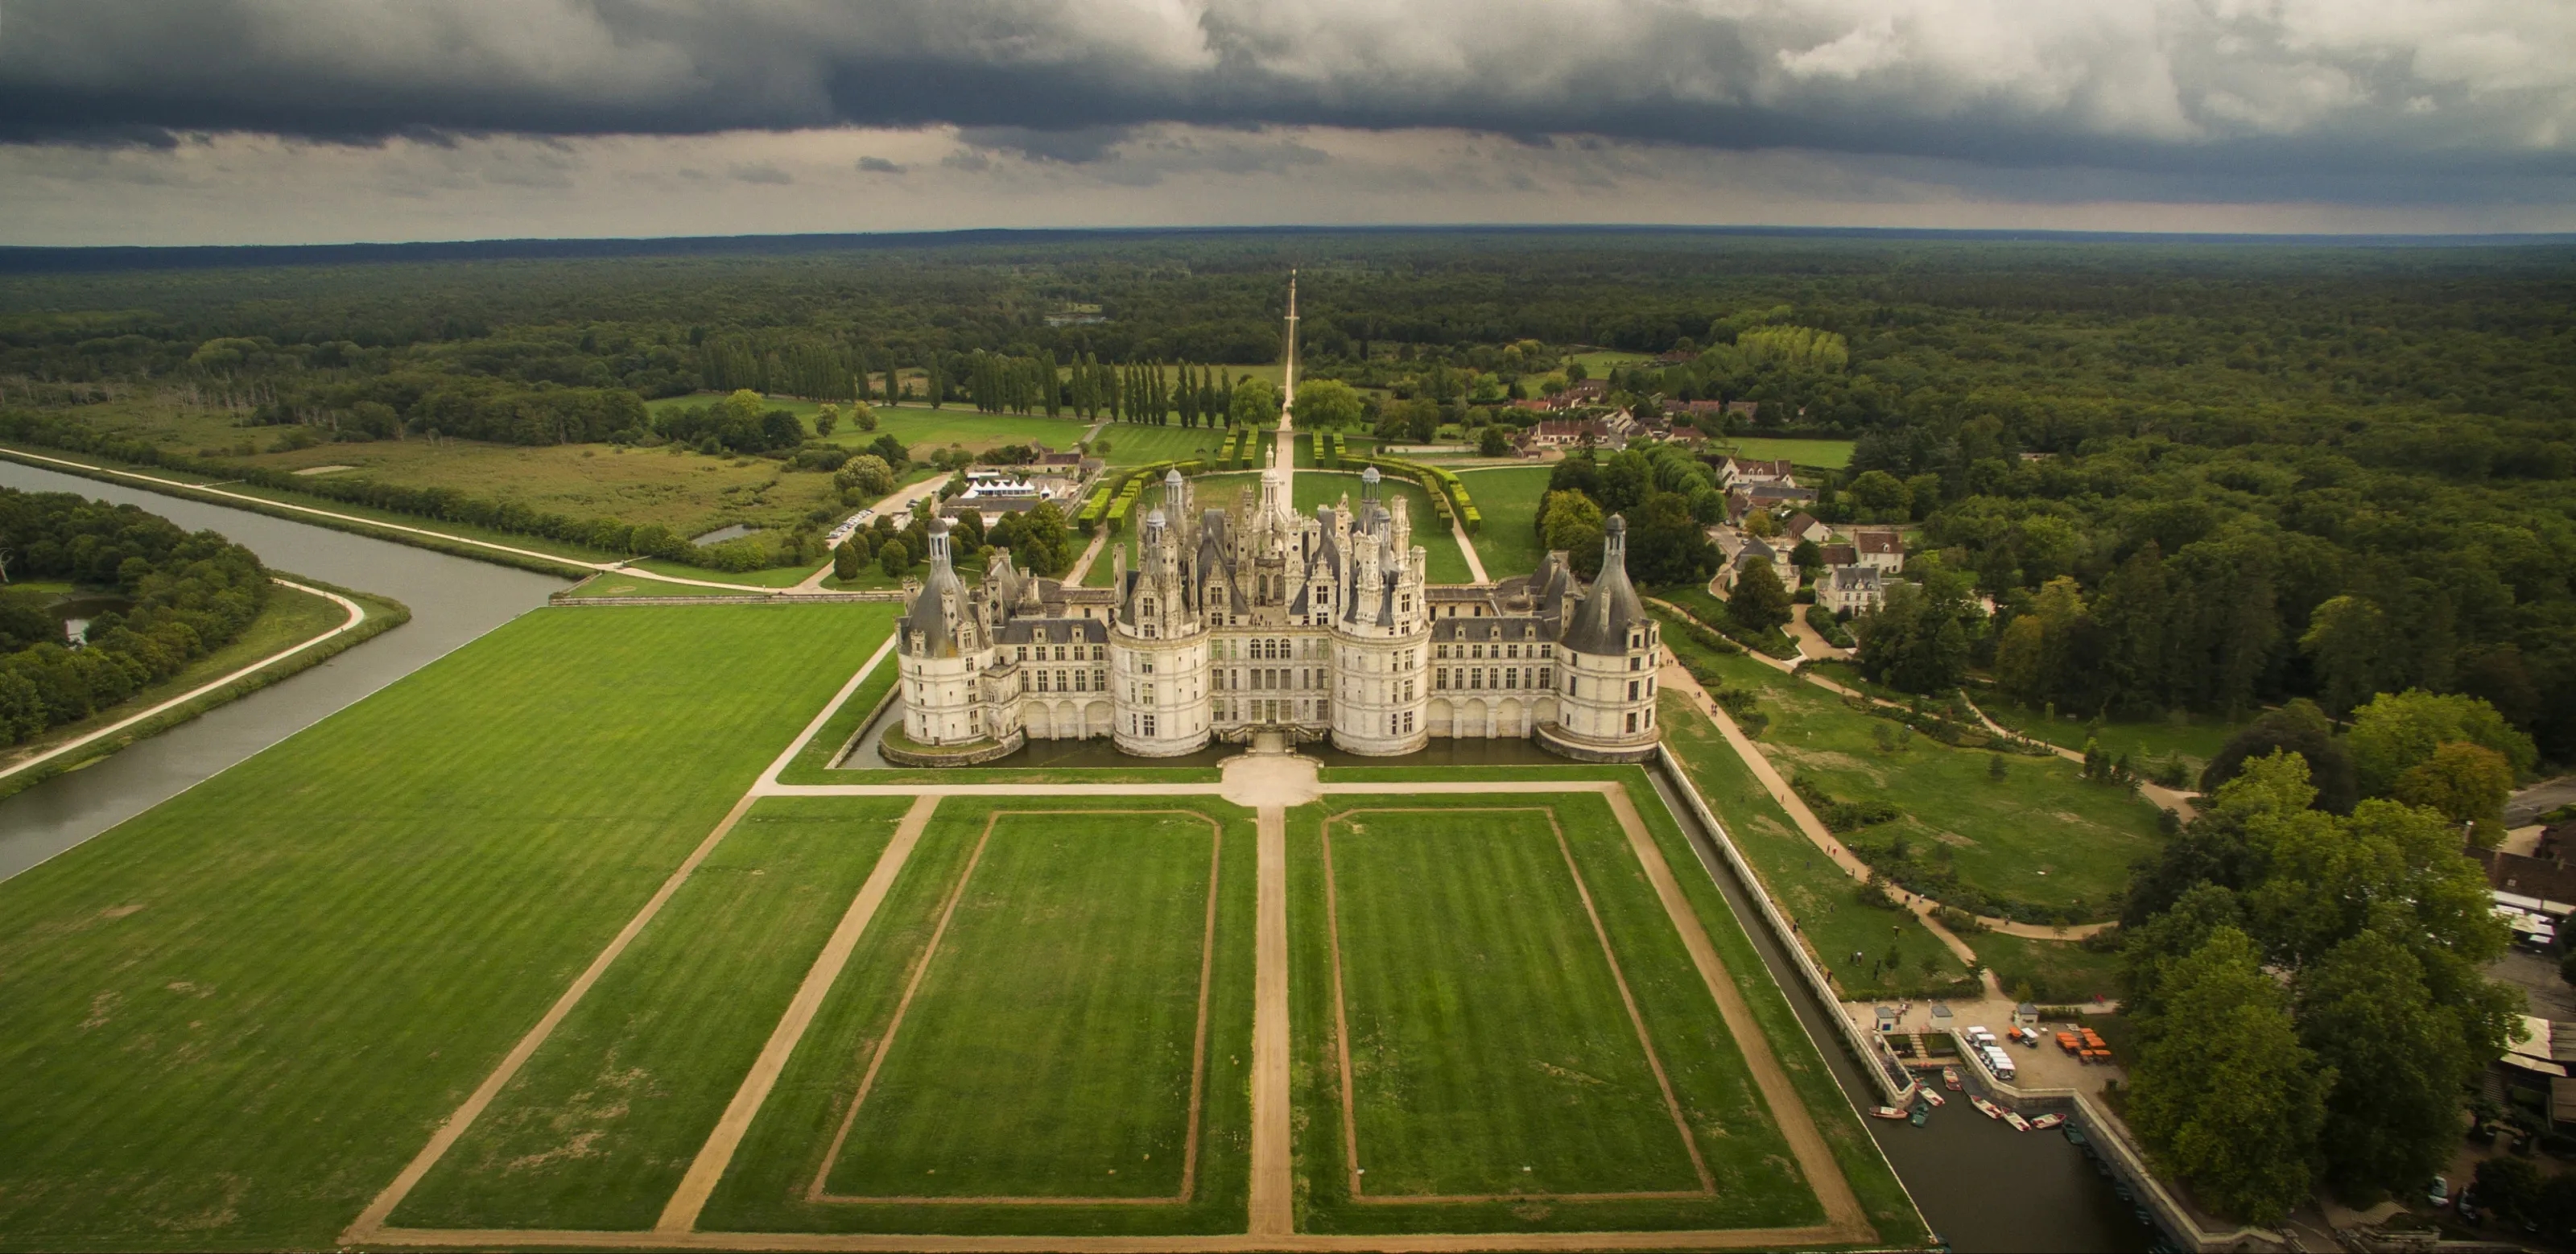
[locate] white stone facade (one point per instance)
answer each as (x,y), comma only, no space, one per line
(1321,628)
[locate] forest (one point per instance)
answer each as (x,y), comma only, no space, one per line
(2197,476)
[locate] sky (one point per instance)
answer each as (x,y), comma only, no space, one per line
(323,121)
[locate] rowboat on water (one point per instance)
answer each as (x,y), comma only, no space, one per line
(1932,1097)
(1921,1115)
(1886,1112)
(1986,1108)
(2018,1123)
(2048,1121)
(1950,1079)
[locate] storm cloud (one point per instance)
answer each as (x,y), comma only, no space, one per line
(2483,89)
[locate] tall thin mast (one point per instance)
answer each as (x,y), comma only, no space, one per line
(1288,385)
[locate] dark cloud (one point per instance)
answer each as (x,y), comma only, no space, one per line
(761,172)
(2476,89)
(878,165)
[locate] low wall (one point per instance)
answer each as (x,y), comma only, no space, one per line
(745,598)
(1551,739)
(1883,1069)
(976,755)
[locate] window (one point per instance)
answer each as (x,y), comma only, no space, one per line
(1547,650)
(1149,693)
(1632,695)
(1440,679)
(1149,724)
(1636,664)
(1059,653)
(1408,722)
(1512,677)
(1632,720)
(1023,654)
(1145,663)
(1441,653)
(1476,677)
(1511,650)
(1546,678)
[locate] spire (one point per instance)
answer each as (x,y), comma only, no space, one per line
(939,546)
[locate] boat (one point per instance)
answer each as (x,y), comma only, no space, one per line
(1886,1112)
(1986,1108)
(2049,1121)
(2122,1188)
(1950,1079)
(2018,1123)
(1921,1115)
(2075,1137)
(1932,1097)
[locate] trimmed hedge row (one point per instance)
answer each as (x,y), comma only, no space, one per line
(1447,491)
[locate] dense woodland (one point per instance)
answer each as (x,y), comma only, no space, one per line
(2332,485)
(171,597)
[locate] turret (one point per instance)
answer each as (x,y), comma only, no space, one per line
(1608,655)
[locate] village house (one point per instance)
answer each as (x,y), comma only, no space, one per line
(1839,555)
(1745,472)
(1851,589)
(1880,548)
(1572,433)
(1758,550)
(1743,501)
(1803,528)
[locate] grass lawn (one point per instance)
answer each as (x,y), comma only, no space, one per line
(1829,454)
(1801,879)
(1599,364)
(2042,836)
(2196,738)
(1049,1049)
(597,1129)
(235,1017)
(1508,542)
(1488,1035)
(2057,972)
(628,584)
(1136,444)
(768,577)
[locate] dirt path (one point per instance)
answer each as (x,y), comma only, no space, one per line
(1274,1179)
(356,614)
(1090,553)
(681,1213)
(1812,644)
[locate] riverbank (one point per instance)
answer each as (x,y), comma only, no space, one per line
(307,622)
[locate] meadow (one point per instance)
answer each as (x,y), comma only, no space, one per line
(2193,739)
(236,1016)
(2041,835)
(1049,1051)
(1822,454)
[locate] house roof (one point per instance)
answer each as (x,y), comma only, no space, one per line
(1749,466)
(1839,554)
(1878,540)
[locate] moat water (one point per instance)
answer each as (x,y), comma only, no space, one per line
(1980,1184)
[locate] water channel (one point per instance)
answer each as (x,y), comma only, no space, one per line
(452,600)
(1980,1184)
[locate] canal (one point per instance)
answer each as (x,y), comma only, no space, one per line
(1982,1186)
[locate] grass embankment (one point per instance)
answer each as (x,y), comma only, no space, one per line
(1488,1039)
(2056,972)
(596,1130)
(2040,836)
(238,1015)
(290,618)
(1833,920)
(1508,541)
(627,584)
(1049,1049)
(1694,600)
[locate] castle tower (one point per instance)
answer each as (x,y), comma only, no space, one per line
(945,658)
(1381,637)
(1159,641)
(1609,652)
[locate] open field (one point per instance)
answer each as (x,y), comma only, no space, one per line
(1805,883)
(596,1130)
(235,1017)
(1025,1017)
(1136,444)
(626,583)
(1508,542)
(1829,454)
(2062,972)
(2041,836)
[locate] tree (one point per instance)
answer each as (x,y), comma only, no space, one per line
(1667,546)
(827,419)
(2398,731)
(847,559)
(1570,522)
(1325,403)
(863,416)
(2346,643)
(2399,1062)
(2223,1093)
(1491,442)
(1917,639)
(2465,783)
(1807,556)
(892,452)
(1880,497)
(893,558)
(1256,404)
(2298,727)
(1758,603)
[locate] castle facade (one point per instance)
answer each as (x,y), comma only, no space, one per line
(1231,623)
